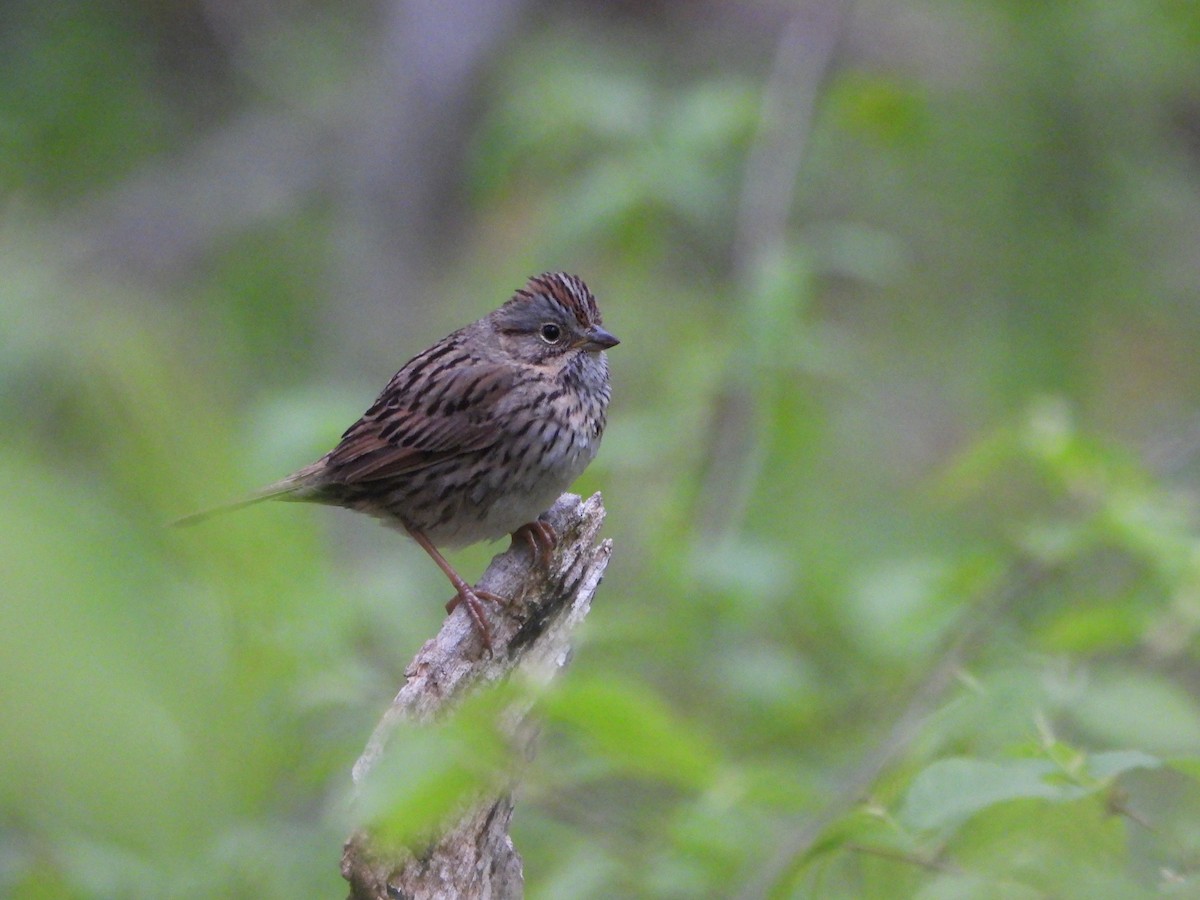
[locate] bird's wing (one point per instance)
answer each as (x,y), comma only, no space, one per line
(426,413)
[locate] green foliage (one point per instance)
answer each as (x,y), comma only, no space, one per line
(630,163)
(426,774)
(952,790)
(631,729)
(905,595)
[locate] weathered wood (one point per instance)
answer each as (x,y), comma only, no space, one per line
(474,857)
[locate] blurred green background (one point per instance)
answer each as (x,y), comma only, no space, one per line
(901,466)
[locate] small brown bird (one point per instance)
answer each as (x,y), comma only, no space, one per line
(477,436)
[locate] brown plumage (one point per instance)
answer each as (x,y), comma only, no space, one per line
(478,435)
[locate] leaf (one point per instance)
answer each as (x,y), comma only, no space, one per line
(1109,765)
(1139,709)
(1188,765)
(1100,626)
(976,887)
(633,728)
(952,790)
(1072,849)
(428,772)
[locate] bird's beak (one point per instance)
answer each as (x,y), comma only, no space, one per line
(595,339)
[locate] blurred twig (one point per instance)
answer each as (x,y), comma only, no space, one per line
(930,864)
(474,857)
(803,60)
(802,63)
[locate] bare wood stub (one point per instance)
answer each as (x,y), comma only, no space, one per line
(474,857)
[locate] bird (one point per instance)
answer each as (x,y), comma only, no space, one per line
(477,436)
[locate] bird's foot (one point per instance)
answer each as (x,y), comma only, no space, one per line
(540,538)
(473,599)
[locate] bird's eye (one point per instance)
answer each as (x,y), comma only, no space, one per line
(550,333)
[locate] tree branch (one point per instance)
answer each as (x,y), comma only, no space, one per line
(532,634)
(804,60)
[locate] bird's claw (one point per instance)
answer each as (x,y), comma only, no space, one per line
(541,539)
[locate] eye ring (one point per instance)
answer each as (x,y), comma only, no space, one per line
(550,333)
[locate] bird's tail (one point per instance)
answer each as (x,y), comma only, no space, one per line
(299,485)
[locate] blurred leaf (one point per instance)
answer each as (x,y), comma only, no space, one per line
(634,730)
(1116,762)
(1189,765)
(977,887)
(857,250)
(1060,848)
(950,791)
(896,609)
(1139,709)
(429,773)
(754,572)
(714,118)
(881,108)
(767,681)
(1094,628)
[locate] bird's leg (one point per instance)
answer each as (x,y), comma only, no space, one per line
(540,537)
(466,594)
